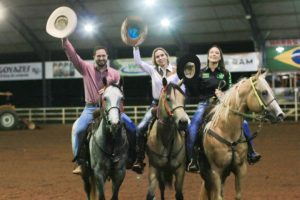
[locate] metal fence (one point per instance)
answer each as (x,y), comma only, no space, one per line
(65,115)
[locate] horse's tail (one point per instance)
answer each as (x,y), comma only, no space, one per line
(93,194)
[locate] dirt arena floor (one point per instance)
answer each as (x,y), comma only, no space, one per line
(36,165)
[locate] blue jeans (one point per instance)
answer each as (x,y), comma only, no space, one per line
(248,135)
(86,118)
(194,127)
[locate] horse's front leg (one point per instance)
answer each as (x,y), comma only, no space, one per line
(117,180)
(179,178)
(240,175)
(153,181)
(216,189)
(100,179)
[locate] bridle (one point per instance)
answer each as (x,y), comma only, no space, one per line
(170,111)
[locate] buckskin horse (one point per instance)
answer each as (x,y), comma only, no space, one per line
(108,147)
(224,148)
(166,142)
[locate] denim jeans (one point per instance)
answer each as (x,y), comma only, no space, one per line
(86,118)
(194,127)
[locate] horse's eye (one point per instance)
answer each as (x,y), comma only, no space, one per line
(264,93)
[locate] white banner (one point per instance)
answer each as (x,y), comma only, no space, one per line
(21,71)
(242,62)
(127,67)
(61,70)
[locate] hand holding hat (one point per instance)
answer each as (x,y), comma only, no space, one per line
(133,31)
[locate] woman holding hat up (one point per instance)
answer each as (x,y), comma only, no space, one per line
(160,69)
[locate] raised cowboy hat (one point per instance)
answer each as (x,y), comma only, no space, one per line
(133,31)
(188,67)
(62,22)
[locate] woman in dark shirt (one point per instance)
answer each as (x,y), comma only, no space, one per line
(208,83)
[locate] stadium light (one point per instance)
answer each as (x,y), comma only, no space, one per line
(149,2)
(89,28)
(2,12)
(165,23)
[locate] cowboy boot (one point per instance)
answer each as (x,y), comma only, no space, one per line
(139,164)
(192,165)
(252,156)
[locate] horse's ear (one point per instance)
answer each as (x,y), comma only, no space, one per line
(264,73)
(255,77)
(104,80)
(164,81)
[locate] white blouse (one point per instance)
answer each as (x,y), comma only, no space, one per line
(156,78)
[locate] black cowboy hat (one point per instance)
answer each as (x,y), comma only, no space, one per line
(185,63)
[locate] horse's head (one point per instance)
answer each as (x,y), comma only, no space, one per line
(261,98)
(171,105)
(112,106)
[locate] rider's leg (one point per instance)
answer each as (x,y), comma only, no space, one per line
(141,141)
(131,136)
(192,133)
(81,125)
(253,156)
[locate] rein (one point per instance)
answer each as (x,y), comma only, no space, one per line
(169,111)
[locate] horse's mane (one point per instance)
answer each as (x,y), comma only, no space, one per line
(222,109)
(172,85)
(116,85)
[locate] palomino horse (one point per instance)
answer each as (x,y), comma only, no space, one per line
(108,147)
(224,146)
(166,142)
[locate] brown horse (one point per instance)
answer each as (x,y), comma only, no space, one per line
(224,146)
(166,142)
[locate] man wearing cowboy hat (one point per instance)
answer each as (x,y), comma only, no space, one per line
(93,74)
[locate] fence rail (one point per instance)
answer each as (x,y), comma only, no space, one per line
(65,115)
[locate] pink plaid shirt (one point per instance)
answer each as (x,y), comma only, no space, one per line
(92,79)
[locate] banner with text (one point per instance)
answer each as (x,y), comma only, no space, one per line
(21,71)
(283,55)
(242,62)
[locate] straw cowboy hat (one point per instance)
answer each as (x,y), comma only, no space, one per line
(62,22)
(133,31)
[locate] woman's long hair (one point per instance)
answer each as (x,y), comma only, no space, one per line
(153,56)
(221,63)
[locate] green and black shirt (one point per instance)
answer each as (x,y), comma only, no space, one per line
(209,81)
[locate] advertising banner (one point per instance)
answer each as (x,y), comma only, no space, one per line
(21,71)
(61,70)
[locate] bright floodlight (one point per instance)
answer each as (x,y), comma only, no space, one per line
(280,49)
(2,12)
(149,2)
(165,22)
(89,28)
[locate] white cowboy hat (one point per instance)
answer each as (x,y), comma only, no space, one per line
(133,31)
(62,22)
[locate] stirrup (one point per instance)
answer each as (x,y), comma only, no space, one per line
(138,167)
(193,167)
